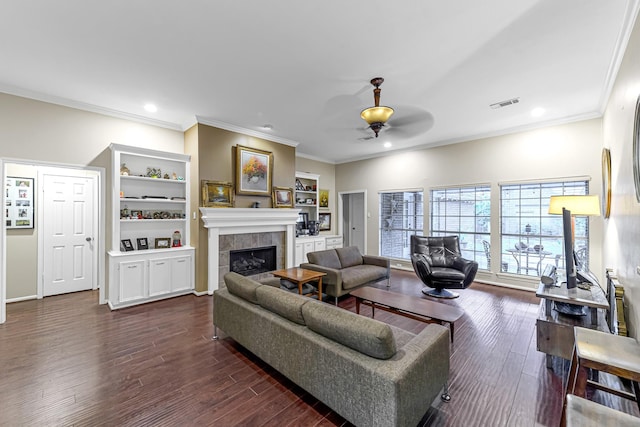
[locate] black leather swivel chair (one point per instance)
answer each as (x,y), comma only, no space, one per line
(439,264)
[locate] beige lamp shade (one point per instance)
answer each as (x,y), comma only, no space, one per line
(578,205)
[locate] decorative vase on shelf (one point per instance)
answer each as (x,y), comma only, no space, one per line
(124,170)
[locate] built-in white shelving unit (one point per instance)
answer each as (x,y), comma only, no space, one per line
(150,257)
(306,194)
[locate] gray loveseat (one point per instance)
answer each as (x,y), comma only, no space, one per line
(347,269)
(370,373)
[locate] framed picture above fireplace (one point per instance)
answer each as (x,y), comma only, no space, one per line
(217,194)
(254,170)
(282,197)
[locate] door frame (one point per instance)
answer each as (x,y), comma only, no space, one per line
(341,194)
(100,207)
(94,176)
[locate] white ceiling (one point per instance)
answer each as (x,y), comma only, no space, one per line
(304,67)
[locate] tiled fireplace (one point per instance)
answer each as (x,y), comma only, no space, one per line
(241,228)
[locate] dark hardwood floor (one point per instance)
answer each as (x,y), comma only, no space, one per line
(66,360)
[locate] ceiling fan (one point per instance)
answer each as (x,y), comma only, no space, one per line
(376,116)
(409,122)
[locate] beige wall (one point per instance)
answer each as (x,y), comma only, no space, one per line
(555,152)
(215,158)
(622,229)
(327,180)
(41,132)
(22,247)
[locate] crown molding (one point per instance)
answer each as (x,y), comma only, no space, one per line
(70,103)
(618,55)
(249,132)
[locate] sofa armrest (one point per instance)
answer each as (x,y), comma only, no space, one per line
(376,260)
(333,277)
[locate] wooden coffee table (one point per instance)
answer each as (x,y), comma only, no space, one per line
(407,306)
(300,276)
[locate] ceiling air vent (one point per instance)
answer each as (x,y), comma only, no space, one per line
(505,103)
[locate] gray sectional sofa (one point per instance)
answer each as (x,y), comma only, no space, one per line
(347,269)
(369,372)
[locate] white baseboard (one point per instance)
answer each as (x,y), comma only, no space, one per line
(200,293)
(27,298)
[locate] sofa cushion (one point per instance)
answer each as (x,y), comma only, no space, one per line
(357,275)
(328,258)
(349,256)
(368,336)
(242,287)
(283,303)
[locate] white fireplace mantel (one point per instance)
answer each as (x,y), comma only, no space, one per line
(221,221)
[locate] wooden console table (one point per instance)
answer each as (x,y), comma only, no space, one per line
(555,330)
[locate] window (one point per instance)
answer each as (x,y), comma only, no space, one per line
(531,238)
(401,215)
(465,212)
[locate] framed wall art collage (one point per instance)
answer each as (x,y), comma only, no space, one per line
(19,202)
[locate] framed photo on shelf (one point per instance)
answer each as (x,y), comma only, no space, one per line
(142,243)
(282,197)
(163,242)
(325,221)
(126,245)
(19,205)
(254,170)
(217,194)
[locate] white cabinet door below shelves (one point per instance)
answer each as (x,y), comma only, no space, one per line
(181,273)
(159,276)
(132,280)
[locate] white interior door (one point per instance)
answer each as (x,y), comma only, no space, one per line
(68,233)
(353,219)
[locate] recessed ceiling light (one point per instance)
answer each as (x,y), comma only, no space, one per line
(387,145)
(537,112)
(151,108)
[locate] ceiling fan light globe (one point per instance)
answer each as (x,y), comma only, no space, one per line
(376,114)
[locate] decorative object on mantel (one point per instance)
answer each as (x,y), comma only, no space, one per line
(217,194)
(606,182)
(255,205)
(324,198)
(282,197)
(254,170)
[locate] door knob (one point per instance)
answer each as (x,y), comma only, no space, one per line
(88,239)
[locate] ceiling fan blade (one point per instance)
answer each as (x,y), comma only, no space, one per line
(410,122)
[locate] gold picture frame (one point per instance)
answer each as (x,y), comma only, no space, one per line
(254,171)
(162,243)
(324,198)
(606,182)
(282,197)
(217,194)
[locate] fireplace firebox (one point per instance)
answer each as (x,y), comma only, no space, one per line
(249,262)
